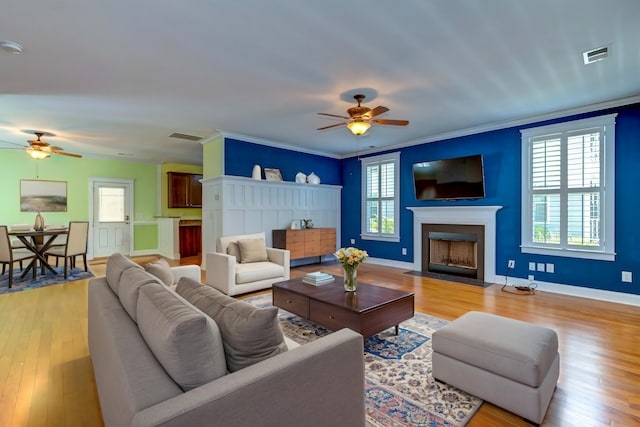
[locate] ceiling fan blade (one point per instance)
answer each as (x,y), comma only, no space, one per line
(11,143)
(54,148)
(390,122)
(333,126)
(376,111)
(334,115)
(66,154)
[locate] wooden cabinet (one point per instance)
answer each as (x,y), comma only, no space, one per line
(185,190)
(307,243)
(190,238)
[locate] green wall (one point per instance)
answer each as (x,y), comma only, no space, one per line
(213,158)
(16,165)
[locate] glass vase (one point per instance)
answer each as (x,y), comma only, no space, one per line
(350,279)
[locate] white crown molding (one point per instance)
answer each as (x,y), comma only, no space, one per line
(269,143)
(505,124)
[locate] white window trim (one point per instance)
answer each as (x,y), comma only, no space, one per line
(608,206)
(364,162)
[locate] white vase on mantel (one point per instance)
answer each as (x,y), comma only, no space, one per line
(312,178)
(257,172)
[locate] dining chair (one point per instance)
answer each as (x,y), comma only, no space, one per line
(8,255)
(76,246)
(15,242)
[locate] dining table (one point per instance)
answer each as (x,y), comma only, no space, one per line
(39,242)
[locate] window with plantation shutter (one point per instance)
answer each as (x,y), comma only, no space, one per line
(568,189)
(380,198)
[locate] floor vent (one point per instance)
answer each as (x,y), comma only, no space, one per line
(595,55)
(179,135)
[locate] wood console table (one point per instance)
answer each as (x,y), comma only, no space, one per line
(310,242)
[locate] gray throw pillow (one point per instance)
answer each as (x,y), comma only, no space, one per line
(253,250)
(116,265)
(186,342)
(130,283)
(249,334)
(162,270)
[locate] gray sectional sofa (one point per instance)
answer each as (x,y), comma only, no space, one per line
(160,361)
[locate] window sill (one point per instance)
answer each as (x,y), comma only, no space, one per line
(380,238)
(569,253)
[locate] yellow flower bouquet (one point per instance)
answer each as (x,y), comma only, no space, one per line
(350,258)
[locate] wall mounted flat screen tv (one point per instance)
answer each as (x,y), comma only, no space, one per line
(449,179)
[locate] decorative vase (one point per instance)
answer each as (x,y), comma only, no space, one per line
(350,279)
(39,224)
(301,178)
(257,173)
(312,178)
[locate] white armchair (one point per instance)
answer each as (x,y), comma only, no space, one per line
(231,273)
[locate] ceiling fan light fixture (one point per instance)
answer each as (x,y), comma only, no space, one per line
(358,128)
(37,154)
(11,47)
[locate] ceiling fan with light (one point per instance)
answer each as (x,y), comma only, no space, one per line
(39,149)
(361,118)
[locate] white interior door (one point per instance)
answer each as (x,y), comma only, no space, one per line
(111,217)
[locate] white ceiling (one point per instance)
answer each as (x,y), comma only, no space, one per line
(119,76)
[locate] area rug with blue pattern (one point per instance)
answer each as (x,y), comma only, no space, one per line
(48,279)
(399,388)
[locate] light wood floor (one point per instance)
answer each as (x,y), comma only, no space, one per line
(46,378)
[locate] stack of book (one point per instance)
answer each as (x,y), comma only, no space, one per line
(317,278)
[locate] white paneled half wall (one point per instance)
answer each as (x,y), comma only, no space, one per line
(237,205)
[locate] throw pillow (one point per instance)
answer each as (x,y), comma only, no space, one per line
(116,265)
(253,250)
(162,270)
(234,250)
(186,342)
(249,334)
(130,283)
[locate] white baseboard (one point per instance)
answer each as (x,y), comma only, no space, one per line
(145,252)
(576,291)
(390,263)
(558,288)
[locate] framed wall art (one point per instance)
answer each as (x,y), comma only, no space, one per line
(43,196)
(272,174)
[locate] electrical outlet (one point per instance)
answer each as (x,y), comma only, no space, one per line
(404,251)
(551,268)
(353,241)
(627,277)
(530,277)
(511,264)
(532,266)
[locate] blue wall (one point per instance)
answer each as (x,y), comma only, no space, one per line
(241,156)
(501,150)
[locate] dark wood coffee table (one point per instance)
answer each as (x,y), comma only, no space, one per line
(368,311)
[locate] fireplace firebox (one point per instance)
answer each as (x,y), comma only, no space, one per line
(453,249)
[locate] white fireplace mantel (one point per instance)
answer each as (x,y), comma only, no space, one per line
(459,215)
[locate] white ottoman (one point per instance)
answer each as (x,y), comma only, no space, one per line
(510,363)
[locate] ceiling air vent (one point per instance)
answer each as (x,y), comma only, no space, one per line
(179,135)
(595,55)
